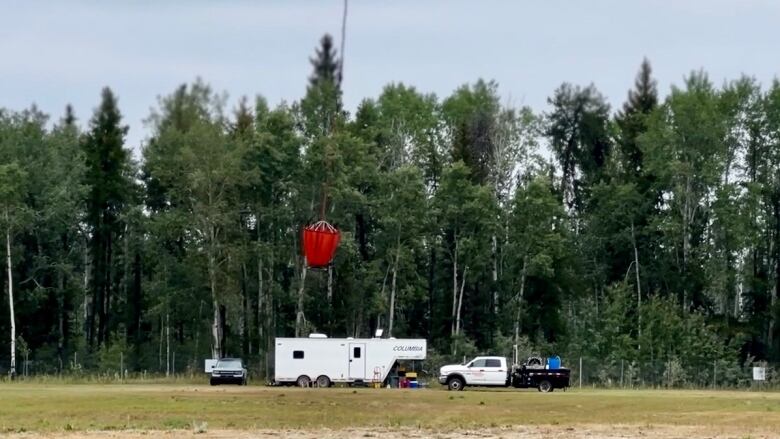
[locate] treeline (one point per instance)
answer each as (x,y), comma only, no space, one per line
(633,236)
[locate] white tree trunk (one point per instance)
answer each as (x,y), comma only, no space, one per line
(330,284)
(460,301)
(393,290)
(772,320)
(11,296)
(687,220)
(167,344)
(197,335)
(772,306)
(160,347)
(638,286)
(299,316)
(60,318)
(454,284)
(87,266)
(495,275)
(216,326)
(243,316)
(260,304)
(270,316)
(520,302)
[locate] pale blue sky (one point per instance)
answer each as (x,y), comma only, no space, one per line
(54,53)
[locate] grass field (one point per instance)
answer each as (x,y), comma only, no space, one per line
(30,410)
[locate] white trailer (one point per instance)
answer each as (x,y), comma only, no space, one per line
(324,361)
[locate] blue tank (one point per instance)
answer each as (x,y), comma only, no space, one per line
(554,362)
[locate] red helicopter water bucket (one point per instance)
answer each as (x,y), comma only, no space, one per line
(320,241)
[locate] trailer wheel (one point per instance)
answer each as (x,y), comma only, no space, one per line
(323,381)
(545,386)
(303,381)
(455,383)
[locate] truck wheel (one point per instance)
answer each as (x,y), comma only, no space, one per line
(323,381)
(303,381)
(545,386)
(455,383)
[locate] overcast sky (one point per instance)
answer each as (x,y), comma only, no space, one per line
(54,53)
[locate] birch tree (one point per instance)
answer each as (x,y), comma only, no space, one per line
(537,233)
(12,179)
(400,211)
(684,147)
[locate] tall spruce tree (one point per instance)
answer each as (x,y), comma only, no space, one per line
(321,107)
(108,188)
(632,119)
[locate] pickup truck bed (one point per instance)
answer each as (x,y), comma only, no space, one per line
(546,380)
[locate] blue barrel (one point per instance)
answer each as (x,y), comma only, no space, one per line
(554,362)
(413,384)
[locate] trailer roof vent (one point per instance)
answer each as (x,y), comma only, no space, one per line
(318,336)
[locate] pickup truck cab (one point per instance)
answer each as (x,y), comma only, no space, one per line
(496,372)
(228,371)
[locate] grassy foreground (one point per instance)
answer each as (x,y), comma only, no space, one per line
(38,407)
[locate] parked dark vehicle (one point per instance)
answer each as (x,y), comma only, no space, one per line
(229,371)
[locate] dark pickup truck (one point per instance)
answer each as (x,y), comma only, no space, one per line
(494,372)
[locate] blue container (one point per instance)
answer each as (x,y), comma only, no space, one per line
(413,384)
(554,362)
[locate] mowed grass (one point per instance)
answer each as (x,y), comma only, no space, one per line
(41,407)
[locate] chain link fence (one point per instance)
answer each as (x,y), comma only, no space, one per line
(586,372)
(669,374)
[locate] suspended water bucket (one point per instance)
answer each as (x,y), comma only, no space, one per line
(320,241)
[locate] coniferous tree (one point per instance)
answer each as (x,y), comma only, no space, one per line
(321,107)
(108,187)
(632,119)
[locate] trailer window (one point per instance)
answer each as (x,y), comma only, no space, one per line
(356,353)
(298,355)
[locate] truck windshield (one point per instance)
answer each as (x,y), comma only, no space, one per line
(229,364)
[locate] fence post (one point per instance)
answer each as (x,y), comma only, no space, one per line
(121,365)
(580,372)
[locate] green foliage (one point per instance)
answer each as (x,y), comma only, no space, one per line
(578,131)
(646,243)
(113,358)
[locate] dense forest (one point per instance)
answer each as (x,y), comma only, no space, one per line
(645,239)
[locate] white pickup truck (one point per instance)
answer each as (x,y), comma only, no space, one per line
(495,372)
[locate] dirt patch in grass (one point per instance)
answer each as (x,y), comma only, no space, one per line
(146,411)
(591,431)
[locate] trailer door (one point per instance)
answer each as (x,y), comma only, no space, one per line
(357,361)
